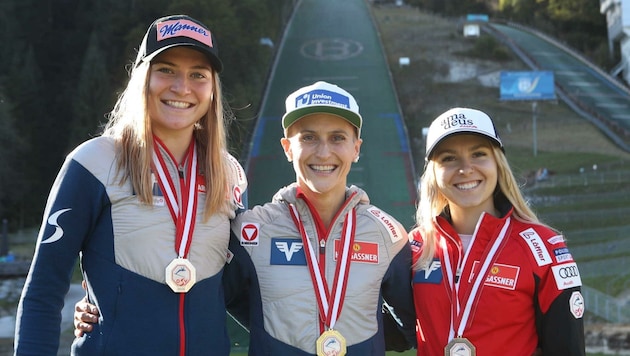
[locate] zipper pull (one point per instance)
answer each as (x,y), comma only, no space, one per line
(322,246)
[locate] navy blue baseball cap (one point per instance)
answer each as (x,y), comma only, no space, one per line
(179,30)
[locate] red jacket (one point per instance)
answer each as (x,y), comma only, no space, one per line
(530,297)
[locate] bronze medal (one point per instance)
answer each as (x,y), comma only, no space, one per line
(180,275)
(331,343)
(459,346)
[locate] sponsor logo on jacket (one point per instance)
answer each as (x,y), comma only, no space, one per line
(566,275)
(432,273)
(576,304)
(502,276)
(499,275)
(249,234)
(366,252)
(562,255)
(390,224)
(556,239)
(287,252)
(537,245)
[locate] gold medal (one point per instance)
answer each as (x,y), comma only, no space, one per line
(331,343)
(459,346)
(180,275)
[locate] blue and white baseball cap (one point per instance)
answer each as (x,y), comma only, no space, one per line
(460,121)
(322,97)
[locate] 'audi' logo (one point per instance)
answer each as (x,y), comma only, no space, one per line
(568,272)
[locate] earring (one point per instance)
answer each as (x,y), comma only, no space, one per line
(356,159)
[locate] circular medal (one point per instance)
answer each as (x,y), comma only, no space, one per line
(331,343)
(180,275)
(459,346)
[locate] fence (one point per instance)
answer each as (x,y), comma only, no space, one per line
(585,178)
(605,306)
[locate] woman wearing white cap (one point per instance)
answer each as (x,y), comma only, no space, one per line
(489,277)
(317,260)
(148,206)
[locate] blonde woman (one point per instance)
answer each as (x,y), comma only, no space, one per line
(489,277)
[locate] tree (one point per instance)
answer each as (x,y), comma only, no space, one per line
(93,98)
(11,187)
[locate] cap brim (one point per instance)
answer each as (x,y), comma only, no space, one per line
(290,118)
(216,63)
(468,132)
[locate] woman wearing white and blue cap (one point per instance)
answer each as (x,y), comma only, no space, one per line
(489,277)
(317,261)
(147,206)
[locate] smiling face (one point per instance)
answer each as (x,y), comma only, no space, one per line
(322,148)
(466,173)
(180,91)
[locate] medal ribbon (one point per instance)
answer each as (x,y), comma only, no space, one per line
(459,318)
(328,314)
(184,219)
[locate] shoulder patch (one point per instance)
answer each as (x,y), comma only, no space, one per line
(249,234)
(562,255)
(537,245)
(576,305)
(566,275)
(556,239)
(240,184)
(395,233)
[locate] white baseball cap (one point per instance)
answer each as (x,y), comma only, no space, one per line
(322,97)
(460,121)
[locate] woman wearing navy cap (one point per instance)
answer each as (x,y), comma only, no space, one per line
(489,277)
(147,206)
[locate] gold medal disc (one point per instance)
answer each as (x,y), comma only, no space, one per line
(459,346)
(180,275)
(331,343)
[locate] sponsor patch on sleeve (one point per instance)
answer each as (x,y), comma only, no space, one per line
(562,255)
(556,239)
(576,305)
(249,234)
(537,245)
(241,181)
(390,224)
(566,275)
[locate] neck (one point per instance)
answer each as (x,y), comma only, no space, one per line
(177,146)
(326,205)
(465,220)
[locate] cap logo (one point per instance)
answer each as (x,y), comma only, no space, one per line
(322,97)
(183,28)
(457,120)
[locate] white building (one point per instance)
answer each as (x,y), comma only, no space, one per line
(618,21)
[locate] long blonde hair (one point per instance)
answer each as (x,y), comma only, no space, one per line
(130,125)
(433,203)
